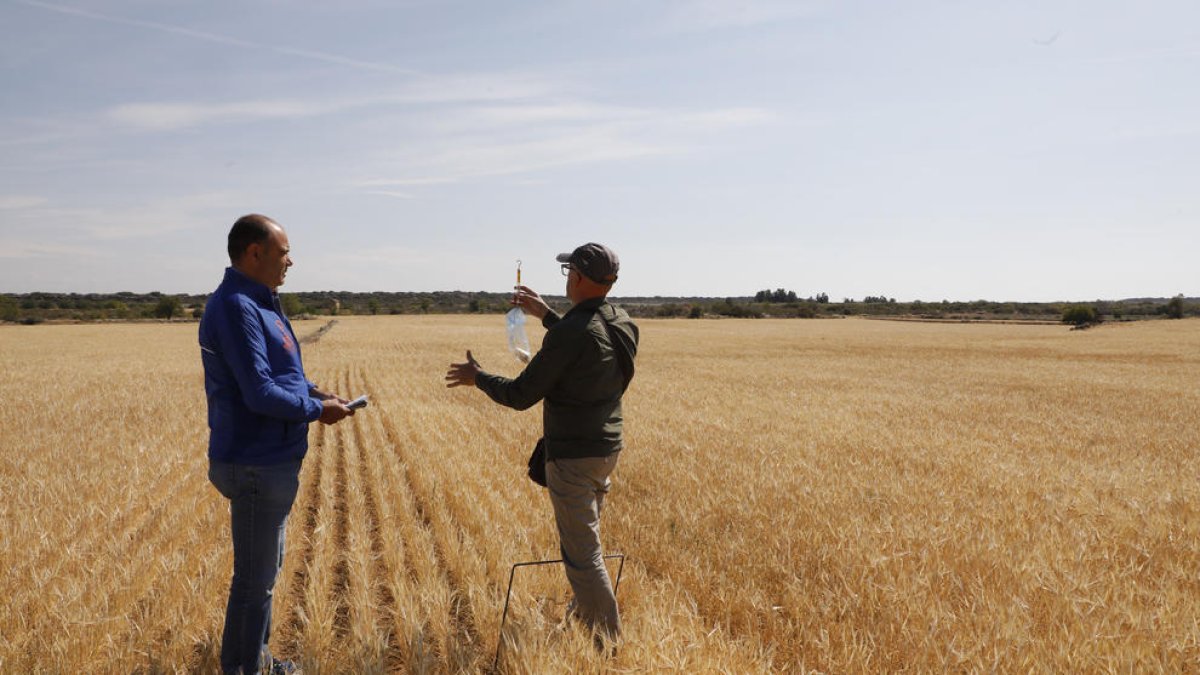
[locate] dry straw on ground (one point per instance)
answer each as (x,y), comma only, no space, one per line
(841,496)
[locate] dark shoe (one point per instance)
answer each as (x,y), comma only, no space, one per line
(570,615)
(572,612)
(605,648)
(283,668)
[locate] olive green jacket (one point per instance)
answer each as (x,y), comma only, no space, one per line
(579,376)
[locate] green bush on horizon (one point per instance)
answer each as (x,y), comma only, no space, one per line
(1080,315)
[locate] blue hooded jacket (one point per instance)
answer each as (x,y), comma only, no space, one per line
(259,401)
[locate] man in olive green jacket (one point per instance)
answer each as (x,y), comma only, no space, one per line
(579,374)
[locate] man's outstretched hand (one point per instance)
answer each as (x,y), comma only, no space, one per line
(463,373)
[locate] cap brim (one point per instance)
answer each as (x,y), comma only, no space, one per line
(563,257)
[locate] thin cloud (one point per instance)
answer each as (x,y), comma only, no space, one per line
(726,118)
(471,160)
(465,87)
(395,194)
(13,248)
(1178,52)
(15,136)
(566,114)
(586,135)
(375,255)
(406,182)
(687,16)
(90,225)
(21,202)
(174,116)
(450,89)
(158,217)
(390,266)
(546,113)
(313,55)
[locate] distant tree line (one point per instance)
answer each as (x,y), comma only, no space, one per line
(782,295)
(765,304)
(776,303)
(124,306)
(127,306)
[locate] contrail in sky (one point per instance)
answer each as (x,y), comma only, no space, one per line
(222,39)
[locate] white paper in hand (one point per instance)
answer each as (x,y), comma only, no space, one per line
(518,342)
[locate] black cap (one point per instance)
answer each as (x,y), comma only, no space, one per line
(594,261)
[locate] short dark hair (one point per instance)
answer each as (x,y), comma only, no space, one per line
(249,229)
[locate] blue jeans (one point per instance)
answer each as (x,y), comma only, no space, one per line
(260,498)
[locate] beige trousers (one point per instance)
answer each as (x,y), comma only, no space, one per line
(577,488)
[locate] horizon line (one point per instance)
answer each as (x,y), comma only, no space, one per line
(831,301)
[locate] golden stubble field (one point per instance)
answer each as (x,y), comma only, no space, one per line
(839,496)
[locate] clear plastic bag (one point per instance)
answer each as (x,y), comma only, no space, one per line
(518,342)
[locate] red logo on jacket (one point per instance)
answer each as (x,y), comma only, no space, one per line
(286,335)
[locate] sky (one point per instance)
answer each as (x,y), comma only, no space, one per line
(928,149)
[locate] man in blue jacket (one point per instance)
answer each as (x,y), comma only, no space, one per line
(259,407)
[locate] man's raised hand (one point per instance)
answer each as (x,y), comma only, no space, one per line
(530,302)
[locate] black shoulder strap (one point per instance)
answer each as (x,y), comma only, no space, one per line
(624,357)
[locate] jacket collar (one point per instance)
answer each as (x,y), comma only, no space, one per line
(259,292)
(591,304)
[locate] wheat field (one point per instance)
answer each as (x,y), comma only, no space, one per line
(840,496)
